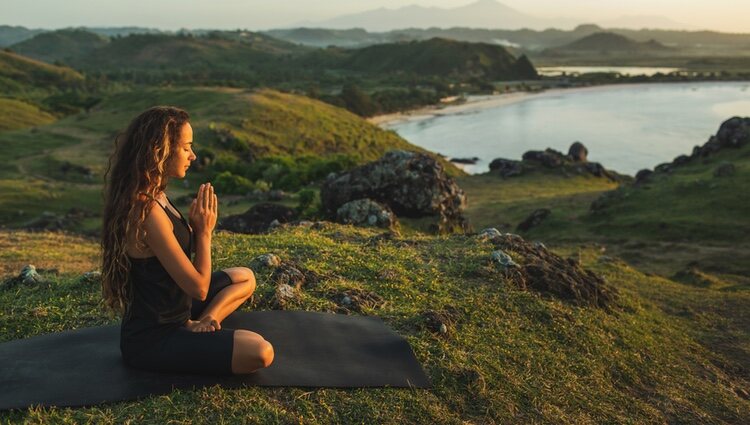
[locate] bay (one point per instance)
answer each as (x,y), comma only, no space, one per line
(625,127)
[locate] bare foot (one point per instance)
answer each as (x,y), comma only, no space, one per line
(206,324)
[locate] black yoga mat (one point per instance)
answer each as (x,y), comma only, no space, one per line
(84,367)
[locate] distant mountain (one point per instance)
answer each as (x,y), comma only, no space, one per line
(488,14)
(441,57)
(62,45)
(610,43)
(481,14)
(12,35)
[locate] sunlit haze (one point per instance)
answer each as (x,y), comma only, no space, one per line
(719,15)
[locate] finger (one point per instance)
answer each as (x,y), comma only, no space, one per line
(216,203)
(205,197)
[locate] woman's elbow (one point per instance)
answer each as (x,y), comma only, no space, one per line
(201,296)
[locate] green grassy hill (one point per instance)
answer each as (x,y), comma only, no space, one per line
(609,43)
(23,76)
(671,223)
(28,88)
(66,45)
(437,56)
(185,52)
(64,162)
(509,355)
(15,114)
(15,34)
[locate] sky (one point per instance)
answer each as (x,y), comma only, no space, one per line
(720,15)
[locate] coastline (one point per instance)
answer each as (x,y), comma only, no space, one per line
(480,102)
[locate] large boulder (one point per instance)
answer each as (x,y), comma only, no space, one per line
(258,218)
(411,184)
(733,133)
(506,167)
(578,152)
(549,157)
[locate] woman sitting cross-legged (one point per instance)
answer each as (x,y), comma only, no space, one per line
(172,305)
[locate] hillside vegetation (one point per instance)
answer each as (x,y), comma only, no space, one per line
(684,218)
(609,43)
(65,45)
(438,57)
(65,161)
(509,355)
(22,76)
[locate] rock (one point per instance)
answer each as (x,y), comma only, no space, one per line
(725,169)
(288,275)
(546,272)
(366,212)
(410,184)
(734,132)
(534,219)
(472,160)
(682,159)
(295,275)
(503,259)
(549,158)
(265,260)
(488,233)
(598,170)
(663,168)
(284,296)
(258,218)
(506,167)
(91,278)
(28,276)
(578,152)
(441,321)
(356,300)
(643,176)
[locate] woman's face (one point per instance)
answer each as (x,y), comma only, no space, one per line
(182,157)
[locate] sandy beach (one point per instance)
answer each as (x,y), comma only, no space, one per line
(478,102)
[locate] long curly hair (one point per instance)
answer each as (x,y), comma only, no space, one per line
(137,166)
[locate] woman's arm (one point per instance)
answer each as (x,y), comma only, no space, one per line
(193,278)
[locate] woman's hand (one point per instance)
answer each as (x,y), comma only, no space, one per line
(204,210)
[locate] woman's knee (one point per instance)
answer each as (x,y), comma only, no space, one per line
(243,276)
(251,352)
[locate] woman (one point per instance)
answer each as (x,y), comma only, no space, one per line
(171,306)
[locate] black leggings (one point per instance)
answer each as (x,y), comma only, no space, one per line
(193,352)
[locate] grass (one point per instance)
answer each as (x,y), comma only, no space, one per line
(15,114)
(512,356)
(677,219)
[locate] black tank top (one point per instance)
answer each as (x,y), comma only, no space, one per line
(158,305)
